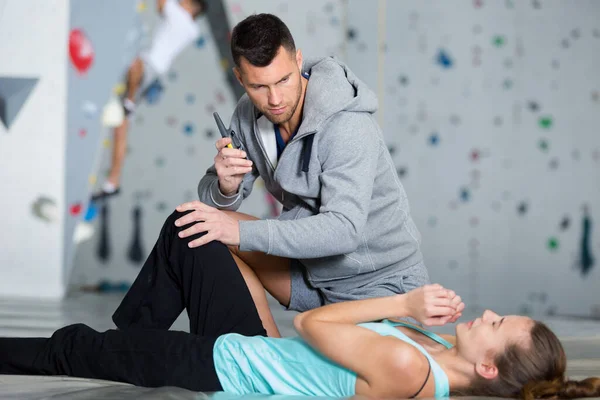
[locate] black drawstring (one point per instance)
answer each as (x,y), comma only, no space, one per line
(306,152)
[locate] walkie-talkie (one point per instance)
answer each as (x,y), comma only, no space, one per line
(235,141)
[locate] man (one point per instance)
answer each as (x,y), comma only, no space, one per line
(309,132)
(176,29)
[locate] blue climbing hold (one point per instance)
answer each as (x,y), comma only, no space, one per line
(434,139)
(464,194)
(188,128)
(444,59)
(154,93)
(200,42)
(91,212)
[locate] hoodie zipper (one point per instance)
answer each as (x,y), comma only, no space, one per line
(266,156)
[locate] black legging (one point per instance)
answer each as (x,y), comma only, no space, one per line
(205,281)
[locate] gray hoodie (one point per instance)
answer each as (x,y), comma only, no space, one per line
(345,213)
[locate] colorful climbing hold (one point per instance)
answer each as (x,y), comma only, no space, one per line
(465,195)
(553,243)
(81,51)
(154,92)
(443,59)
(91,213)
(498,40)
(75,209)
(224,64)
(188,128)
(434,139)
(545,122)
(119,89)
(200,42)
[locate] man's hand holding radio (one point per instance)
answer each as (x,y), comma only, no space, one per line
(231,165)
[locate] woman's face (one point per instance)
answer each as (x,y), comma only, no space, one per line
(481,340)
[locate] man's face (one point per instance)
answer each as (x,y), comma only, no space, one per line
(275,89)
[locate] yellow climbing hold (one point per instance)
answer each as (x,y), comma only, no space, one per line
(224,63)
(119,89)
(141,6)
(106,143)
(92,179)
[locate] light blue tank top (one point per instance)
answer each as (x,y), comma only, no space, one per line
(290,366)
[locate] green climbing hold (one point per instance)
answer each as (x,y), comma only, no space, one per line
(545,122)
(498,41)
(553,243)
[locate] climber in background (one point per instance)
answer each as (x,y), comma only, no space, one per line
(176,30)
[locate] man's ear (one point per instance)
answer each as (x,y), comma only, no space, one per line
(299,59)
(238,75)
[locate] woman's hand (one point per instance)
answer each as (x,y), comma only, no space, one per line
(434,305)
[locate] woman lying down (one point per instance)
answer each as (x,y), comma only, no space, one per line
(342,349)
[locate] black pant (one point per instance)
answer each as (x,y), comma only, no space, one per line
(204,281)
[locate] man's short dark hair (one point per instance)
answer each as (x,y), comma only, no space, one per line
(258,38)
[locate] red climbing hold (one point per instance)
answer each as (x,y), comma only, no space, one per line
(75,209)
(81,51)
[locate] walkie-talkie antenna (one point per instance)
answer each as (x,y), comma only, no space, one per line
(224,132)
(220,125)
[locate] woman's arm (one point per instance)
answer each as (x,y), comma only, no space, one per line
(378,360)
(429,304)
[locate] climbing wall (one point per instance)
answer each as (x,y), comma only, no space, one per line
(173,135)
(33,91)
(490,110)
(97,59)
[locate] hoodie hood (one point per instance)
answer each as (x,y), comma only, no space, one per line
(332,88)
